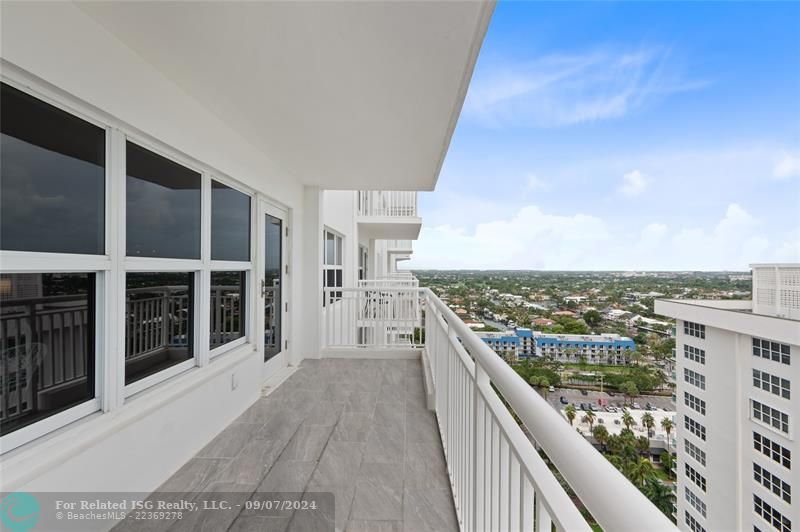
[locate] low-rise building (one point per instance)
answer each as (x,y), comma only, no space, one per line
(591,348)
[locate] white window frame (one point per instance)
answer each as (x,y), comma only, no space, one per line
(111,267)
(43,262)
(338,259)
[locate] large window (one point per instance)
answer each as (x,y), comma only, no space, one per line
(362,262)
(52,191)
(162,206)
(772,383)
(694,329)
(771,515)
(694,354)
(694,427)
(158,322)
(227,307)
(63,175)
(47,345)
(774,351)
(770,416)
(694,403)
(773,450)
(695,452)
(332,265)
(230,223)
(772,483)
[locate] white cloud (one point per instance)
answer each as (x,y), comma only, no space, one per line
(787,166)
(559,90)
(633,183)
(533,239)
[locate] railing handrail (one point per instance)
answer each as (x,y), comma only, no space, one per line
(612,500)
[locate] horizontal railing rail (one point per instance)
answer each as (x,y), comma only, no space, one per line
(400,282)
(401,203)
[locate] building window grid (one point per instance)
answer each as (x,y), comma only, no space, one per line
(772,384)
(695,477)
(332,264)
(694,329)
(696,404)
(772,483)
(694,354)
(694,427)
(696,502)
(771,515)
(770,416)
(770,350)
(695,452)
(772,450)
(692,523)
(694,378)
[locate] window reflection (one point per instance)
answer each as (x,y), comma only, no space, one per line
(227,307)
(47,338)
(230,223)
(158,322)
(163,207)
(52,185)
(272,288)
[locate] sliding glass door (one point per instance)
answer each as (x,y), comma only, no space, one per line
(272,284)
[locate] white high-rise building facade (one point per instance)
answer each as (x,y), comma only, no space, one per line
(737,377)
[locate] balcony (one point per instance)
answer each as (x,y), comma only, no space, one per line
(402,247)
(388,215)
(498,479)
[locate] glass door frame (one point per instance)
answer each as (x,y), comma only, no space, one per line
(280,359)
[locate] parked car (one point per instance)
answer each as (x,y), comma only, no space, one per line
(583,406)
(611,394)
(637,406)
(551,389)
(592,407)
(563,400)
(648,406)
(584,392)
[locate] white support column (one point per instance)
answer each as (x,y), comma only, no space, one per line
(310,297)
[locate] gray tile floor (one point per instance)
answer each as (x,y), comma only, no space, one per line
(357,429)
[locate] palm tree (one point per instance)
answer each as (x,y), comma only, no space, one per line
(627,419)
(589,418)
(600,434)
(641,471)
(648,422)
(667,460)
(570,412)
(544,382)
(667,425)
(660,495)
(643,445)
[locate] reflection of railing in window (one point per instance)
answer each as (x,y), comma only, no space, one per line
(272,337)
(43,352)
(157,317)
(226,314)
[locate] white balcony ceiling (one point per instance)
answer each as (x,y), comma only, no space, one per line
(343,95)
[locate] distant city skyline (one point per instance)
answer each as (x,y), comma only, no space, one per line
(624,136)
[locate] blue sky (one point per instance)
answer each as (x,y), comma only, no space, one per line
(633,135)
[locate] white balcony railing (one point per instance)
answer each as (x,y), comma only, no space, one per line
(499,480)
(391,203)
(401,245)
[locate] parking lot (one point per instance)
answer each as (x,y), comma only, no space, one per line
(576,397)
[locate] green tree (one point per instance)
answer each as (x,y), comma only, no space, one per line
(629,390)
(667,424)
(592,318)
(589,418)
(600,433)
(570,412)
(648,422)
(628,420)
(660,495)
(643,445)
(641,471)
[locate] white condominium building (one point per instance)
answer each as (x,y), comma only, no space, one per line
(738,376)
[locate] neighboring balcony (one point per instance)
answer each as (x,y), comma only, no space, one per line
(400,247)
(490,421)
(388,215)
